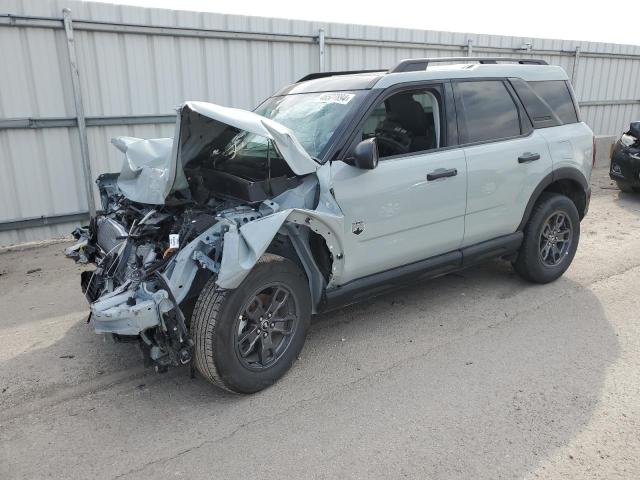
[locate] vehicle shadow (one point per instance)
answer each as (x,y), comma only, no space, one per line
(629,202)
(601,185)
(475,372)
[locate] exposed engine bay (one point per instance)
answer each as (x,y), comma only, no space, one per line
(173,210)
(134,247)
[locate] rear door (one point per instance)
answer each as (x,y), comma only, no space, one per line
(411,207)
(506,158)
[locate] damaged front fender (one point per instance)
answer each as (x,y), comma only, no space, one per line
(244,246)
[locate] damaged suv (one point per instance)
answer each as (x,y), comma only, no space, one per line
(215,247)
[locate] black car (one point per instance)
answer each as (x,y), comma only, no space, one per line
(625,160)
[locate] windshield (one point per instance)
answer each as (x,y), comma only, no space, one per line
(313,117)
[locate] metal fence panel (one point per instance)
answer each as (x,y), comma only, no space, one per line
(136,64)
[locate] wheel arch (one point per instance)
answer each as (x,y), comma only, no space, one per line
(566,181)
(298,234)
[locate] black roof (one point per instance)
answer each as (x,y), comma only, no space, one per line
(417,64)
(331,82)
(365,79)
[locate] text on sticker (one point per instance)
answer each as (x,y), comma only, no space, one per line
(336,97)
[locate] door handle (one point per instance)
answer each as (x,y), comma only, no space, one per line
(442,173)
(528,157)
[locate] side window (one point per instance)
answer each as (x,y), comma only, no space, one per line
(406,122)
(488,111)
(540,113)
(556,95)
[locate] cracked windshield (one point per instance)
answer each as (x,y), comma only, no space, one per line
(313,117)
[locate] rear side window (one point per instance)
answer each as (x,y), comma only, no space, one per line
(488,111)
(540,113)
(555,94)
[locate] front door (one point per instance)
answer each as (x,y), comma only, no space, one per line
(411,207)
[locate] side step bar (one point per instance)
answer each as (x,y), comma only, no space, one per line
(389,280)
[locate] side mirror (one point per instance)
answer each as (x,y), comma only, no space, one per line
(365,155)
(634,129)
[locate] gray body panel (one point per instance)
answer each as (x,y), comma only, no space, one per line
(406,218)
(571,146)
(499,187)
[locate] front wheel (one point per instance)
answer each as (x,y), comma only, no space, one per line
(550,239)
(247,338)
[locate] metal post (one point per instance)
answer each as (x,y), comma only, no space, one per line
(77,98)
(321,45)
(574,69)
(469,48)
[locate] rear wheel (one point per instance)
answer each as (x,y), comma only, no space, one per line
(550,239)
(247,338)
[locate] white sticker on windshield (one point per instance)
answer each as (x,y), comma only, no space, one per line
(336,97)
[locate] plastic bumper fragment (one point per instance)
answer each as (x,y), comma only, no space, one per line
(119,315)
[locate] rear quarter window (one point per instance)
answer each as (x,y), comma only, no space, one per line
(556,95)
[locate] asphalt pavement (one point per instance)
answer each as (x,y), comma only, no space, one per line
(476,375)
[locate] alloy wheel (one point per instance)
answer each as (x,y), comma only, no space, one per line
(265,326)
(555,239)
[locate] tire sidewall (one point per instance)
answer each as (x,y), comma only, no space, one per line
(531,265)
(232,372)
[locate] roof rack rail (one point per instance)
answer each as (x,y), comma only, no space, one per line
(313,76)
(417,64)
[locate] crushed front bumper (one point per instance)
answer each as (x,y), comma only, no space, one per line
(126,314)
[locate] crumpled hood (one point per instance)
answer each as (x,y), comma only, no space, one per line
(148,170)
(152,168)
(294,153)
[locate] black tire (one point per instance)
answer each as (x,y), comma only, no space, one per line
(220,320)
(532,264)
(625,187)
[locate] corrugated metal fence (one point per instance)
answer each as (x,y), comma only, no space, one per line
(134,65)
